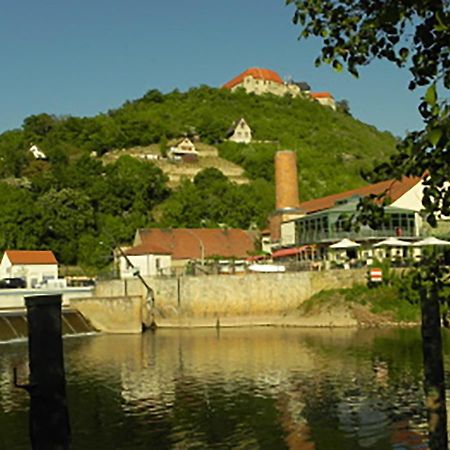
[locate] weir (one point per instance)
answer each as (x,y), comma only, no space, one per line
(13,324)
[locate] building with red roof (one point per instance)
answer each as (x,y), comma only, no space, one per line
(182,245)
(324,98)
(263,81)
(34,266)
(323,221)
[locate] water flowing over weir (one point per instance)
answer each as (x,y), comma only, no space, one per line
(13,324)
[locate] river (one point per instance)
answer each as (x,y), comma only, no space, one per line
(252,388)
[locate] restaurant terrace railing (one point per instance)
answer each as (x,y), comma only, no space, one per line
(317,237)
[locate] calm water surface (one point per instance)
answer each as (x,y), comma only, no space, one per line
(256,388)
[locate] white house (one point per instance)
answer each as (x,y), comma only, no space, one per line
(34,266)
(324,98)
(240,132)
(183,150)
(37,152)
(185,145)
(147,259)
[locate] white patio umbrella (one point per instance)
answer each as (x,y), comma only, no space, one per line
(431,241)
(392,242)
(345,243)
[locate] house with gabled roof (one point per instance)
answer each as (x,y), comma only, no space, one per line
(324,98)
(240,132)
(184,149)
(34,266)
(196,244)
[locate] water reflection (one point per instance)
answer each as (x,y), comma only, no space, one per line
(241,388)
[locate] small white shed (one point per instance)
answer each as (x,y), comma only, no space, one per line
(34,266)
(149,260)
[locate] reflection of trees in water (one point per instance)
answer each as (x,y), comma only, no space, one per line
(240,415)
(362,410)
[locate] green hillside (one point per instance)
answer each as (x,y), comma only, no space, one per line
(73,201)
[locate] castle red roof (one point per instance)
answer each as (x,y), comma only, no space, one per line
(31,257)
(394,188)
(321,95)
(257,73)
(190,243)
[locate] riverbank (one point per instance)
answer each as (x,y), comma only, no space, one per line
(359,306)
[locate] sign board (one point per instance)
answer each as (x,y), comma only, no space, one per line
(376,275)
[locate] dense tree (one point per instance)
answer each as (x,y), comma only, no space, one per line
(13,155)
(211,200)
(64,216)
(343,106)
(38,126)
(18,225)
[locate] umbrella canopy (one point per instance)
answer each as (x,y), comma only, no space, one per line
(345,243)
(392,242)
(431,241)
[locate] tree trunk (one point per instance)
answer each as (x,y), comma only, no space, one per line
(434,383)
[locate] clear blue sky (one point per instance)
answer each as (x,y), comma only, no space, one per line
(82,57)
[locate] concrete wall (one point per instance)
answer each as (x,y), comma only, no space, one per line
(233,299)
(15,298)
(112,314)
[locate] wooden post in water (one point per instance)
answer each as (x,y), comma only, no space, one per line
(48,417)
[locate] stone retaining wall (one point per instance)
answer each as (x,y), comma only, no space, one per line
(231,300)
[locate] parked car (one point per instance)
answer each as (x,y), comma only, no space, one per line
(12,283)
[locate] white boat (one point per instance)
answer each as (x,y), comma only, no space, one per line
(267,268)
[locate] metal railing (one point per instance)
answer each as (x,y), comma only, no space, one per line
(314,237)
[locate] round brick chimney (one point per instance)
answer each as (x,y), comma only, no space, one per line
(286,180)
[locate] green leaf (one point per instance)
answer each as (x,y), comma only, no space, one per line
(431,96)
(434,135)
(337,66)
(404,52)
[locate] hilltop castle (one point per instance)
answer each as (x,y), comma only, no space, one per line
(265,81)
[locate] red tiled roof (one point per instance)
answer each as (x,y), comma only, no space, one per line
(146,248)
(257,73)
(187,243)
(31,256)
(394,188)
(321,95)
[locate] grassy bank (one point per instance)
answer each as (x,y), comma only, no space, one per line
(369,306)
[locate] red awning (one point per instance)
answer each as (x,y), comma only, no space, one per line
(290,251)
